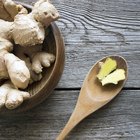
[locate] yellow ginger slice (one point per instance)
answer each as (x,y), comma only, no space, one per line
(114,77)
(107,67)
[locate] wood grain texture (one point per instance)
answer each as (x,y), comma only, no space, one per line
(93,29)
(117,120)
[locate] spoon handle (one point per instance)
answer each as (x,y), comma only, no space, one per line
(75,118)
(80,112)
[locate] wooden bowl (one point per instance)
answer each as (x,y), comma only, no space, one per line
(39,91)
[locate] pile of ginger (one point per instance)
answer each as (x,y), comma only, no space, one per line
(24,66)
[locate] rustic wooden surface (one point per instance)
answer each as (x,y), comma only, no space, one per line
(91,29)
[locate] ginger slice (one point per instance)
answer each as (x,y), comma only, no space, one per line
(107,67)
(114,77)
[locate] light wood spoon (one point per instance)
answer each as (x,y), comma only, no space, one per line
(93,95)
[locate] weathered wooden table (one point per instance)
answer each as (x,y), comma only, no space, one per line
(91,29)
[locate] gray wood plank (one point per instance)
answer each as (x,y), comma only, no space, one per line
(119,119)
(93,29)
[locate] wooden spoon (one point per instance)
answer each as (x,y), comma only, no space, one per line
(93,95)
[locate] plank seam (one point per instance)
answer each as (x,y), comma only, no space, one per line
(68,89)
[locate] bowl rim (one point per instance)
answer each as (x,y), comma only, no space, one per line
(53,78)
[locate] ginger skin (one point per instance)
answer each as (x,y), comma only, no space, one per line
(42,59)
(28,30)
(25,65)
(18,71)
(8,10)
(35,60)
(12,66)
(33,25)
(11,97)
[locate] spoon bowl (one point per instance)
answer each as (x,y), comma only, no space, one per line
(93,86)
(93,95)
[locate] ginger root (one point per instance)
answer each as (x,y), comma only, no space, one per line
(11,97)
(42,59)
(27,31)
(25,65)
(12,66)
(33,76)
(31,26)
(8,10)
(35,60)
(44,12)
(18,71)
(5,47)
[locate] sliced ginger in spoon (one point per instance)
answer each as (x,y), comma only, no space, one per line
(114,77)
(107,67)
(109,74)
